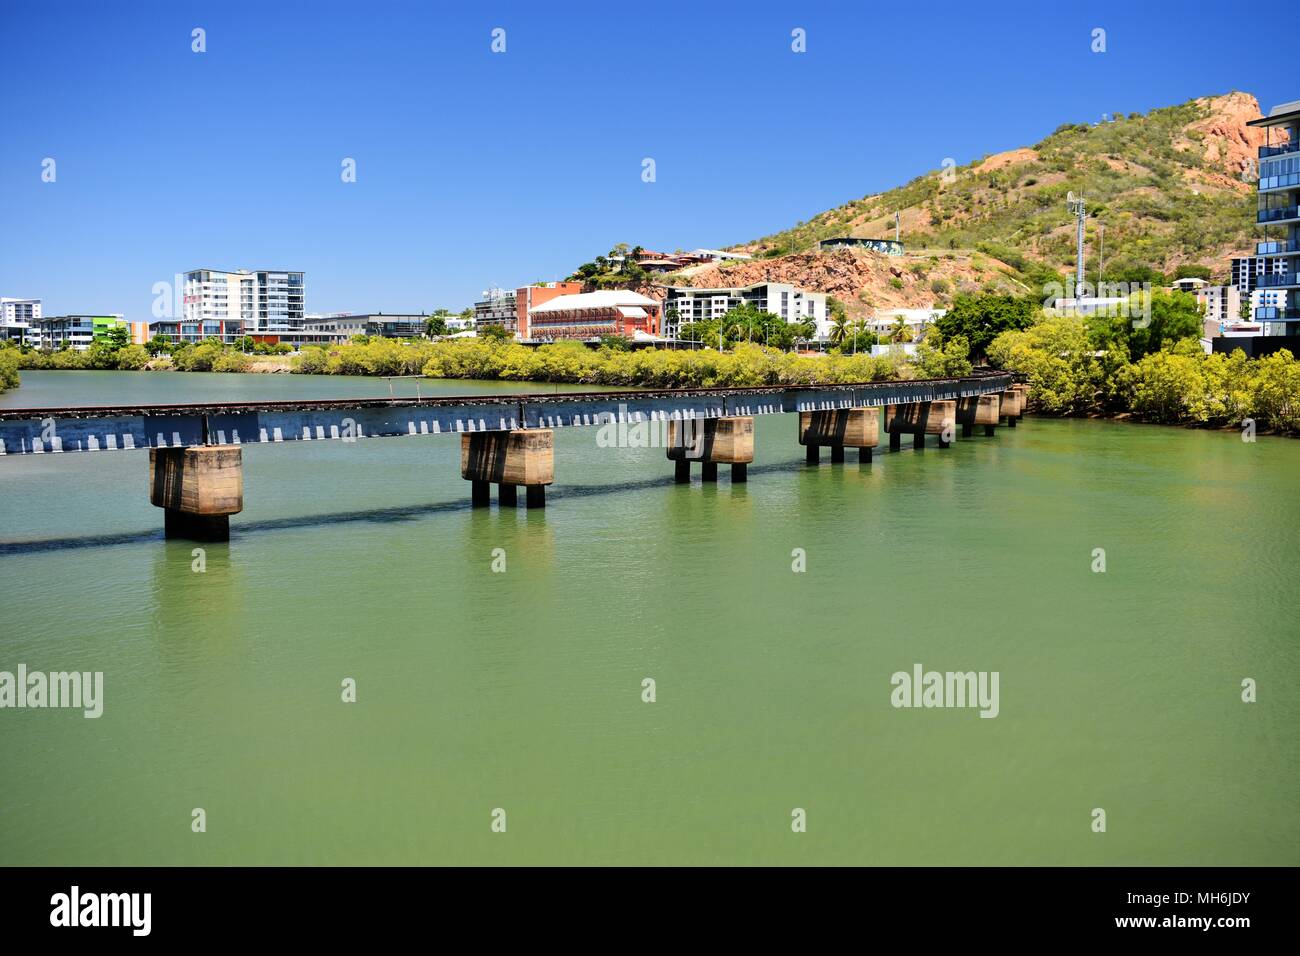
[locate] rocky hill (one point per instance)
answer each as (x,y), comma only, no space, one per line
(1172,187)
(866,281)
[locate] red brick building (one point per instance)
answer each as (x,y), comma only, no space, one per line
(531,296)
(590,315)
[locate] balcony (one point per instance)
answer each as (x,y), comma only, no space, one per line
(1285,181)
(1277,281)
(1271,313)
(1279,214)
(1267,152)
(1277,248)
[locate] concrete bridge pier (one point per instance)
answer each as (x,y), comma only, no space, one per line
(1010,407)
(1022,390)
(942,421)
(711,442)
(198,488)
(978,410)
(920,419)
(908,419)
(839,428)
(508,459)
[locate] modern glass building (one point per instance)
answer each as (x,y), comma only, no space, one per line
(78,332)
(1279,215)
(265,304)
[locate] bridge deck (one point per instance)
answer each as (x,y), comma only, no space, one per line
(97,428)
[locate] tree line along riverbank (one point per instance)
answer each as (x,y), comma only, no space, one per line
(1098,366)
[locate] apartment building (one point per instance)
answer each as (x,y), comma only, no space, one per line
(266,304)
(686,305)
(1246,270)
(497,308)
(16,318)
(1278,209)
(79,332)
(1222,305)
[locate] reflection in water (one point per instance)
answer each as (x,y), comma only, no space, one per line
(241,528)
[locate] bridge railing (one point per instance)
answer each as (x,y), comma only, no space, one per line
(117,427)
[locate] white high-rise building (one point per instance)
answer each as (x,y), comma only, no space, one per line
(264,304)
(685,305)
(16,319)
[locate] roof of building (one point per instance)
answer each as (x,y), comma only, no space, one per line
(918,315)
(682,290)
(608,299)
(1279,114)
(246,273)
(721,252)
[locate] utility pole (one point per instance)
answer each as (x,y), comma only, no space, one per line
(896,239)
(1076,207)
(1101,255)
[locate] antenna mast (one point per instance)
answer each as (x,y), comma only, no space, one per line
(1076,206)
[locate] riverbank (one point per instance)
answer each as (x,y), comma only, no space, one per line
(1177,385)
(257,365)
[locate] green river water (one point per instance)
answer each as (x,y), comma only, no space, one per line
(522,690)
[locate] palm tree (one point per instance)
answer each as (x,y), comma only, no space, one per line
(839,329)
(901,331)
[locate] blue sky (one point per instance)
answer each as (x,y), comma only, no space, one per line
(475,168)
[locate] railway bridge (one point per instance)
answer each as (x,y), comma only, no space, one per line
(195,450)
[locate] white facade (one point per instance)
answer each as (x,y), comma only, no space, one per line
(779,298)
(1222,304)
(1266,298)
(905,349)
(1269,299)
(16,318)
(228,305)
